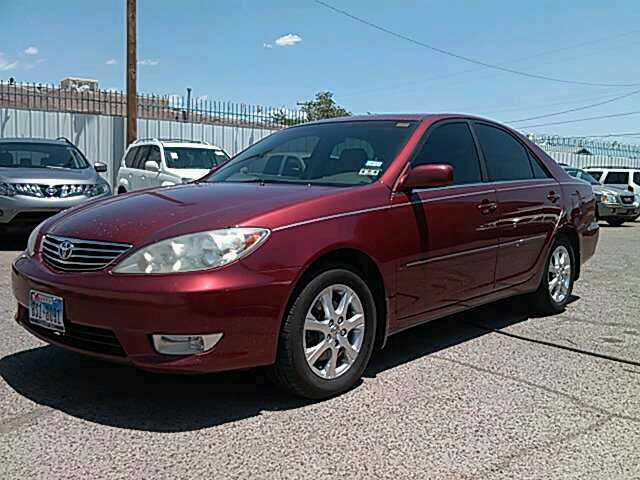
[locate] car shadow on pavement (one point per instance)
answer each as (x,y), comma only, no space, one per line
(13,243)
(122,396)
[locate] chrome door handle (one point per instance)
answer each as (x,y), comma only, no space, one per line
(553,196)
(486,207)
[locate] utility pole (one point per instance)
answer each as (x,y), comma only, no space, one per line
(132,66)
(188,103)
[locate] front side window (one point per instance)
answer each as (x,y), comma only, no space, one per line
(617,178)
(140,158)
(130,157)
(505,157)
(331,153)
(452,144)
(41,155)
(197,158)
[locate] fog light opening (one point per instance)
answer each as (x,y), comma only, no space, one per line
(185,344)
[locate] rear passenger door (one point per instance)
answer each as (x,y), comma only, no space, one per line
(529,202)
(455,227)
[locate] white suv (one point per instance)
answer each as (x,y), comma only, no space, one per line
(625,178)
(150,162)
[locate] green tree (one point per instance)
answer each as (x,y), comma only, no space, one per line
(281,118)
(323,106)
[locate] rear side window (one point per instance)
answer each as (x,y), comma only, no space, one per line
(614,178)
(597,174)
(636,178)
(453,144)
(129,158)
(140,158)
(506,158)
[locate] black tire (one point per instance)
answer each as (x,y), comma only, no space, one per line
(615,223)
(291,369)
(545,303)
(121,190)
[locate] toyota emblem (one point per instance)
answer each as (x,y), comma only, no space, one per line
(65,249)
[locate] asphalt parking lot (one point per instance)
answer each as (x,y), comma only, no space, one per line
(480,395)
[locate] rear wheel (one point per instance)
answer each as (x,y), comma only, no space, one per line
(557,282)
(328,335)
(121,190)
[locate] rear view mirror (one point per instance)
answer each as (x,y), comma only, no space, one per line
(427,176)
(100,167)
(151,166)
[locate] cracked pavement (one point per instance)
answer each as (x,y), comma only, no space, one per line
(454,399)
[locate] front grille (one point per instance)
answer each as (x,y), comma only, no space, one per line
(75,255)
(627,199)
(82,337)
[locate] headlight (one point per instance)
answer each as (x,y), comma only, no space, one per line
(7,190)
(97,189)
(197,251)
(32,243)
(609,198)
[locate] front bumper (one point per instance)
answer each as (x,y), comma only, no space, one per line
(19,210)
(113,316)
(618,211)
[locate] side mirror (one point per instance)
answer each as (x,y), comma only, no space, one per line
(427,176)
(151,166)
(100,167)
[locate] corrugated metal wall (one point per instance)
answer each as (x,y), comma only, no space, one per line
(102,138)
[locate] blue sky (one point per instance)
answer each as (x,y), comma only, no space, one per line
(221,50)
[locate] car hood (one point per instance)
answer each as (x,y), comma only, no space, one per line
(190,173)
(149,215)
(600,189)
(48,176)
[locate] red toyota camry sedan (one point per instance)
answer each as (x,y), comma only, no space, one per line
(305,251)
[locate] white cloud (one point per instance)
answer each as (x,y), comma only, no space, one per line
(148,63)
(202,98)
(267,45)
(111,61)
(31,51)
(5,64)
(112,90)
(288,40)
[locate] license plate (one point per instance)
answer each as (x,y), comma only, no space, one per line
(46,310)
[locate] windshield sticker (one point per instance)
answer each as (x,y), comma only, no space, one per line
(369,172)
(174,155)
(373,163)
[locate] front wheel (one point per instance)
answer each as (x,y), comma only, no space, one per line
(328,335)
(615,223)
(557,282)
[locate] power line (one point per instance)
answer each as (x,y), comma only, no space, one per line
(465,58)
(614,115)
(609,135)
(432,78)
(577,109)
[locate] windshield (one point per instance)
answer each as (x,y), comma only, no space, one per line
(197,158)
(582,175)
(40,155)
(336,153)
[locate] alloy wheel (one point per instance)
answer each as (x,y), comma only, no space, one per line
(559,279)
(334,330)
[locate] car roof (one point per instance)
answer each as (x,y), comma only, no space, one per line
(404,117)
(46,141)
(175,143)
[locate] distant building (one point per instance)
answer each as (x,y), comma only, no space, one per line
(79,84)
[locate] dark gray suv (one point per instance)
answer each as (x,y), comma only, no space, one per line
(39,178)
